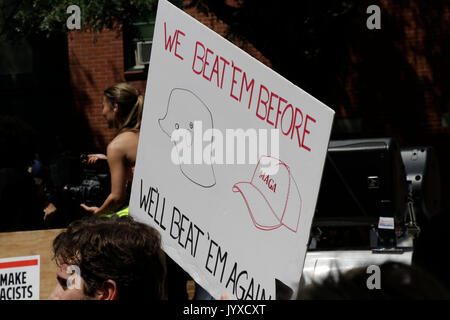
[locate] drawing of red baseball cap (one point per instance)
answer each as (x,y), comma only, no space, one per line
(272,196)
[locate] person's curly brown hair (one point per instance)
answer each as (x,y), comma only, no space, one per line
(121,249)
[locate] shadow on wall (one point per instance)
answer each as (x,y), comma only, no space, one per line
(41,96)
(92,70)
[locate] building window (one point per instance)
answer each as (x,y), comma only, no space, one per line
(138,42)
(138,45)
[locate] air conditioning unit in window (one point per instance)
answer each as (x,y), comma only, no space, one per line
(143,51)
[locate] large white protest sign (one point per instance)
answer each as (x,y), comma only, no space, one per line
(229,162)
(20,278)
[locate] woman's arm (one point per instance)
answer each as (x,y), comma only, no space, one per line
(117,167)
(93,158)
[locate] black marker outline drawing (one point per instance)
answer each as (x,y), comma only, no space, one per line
(170,135)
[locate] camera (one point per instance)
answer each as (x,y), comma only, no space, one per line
(95,185)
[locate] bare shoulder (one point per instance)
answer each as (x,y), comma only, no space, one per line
(128,135)
(115,148)
(124,144)
(125,138)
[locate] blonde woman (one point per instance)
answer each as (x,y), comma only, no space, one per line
(122,109)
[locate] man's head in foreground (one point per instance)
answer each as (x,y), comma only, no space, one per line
(109,259)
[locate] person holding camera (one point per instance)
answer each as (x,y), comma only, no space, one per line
(122,109)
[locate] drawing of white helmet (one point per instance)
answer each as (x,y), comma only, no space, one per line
(185,110)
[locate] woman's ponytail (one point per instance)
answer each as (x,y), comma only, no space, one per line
(130,103)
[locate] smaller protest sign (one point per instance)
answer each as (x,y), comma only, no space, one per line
(19,278)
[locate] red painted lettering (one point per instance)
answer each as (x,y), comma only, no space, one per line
(279,111)
(215,70)
(291,123)
(248,86)
(297,126)
(197,57)
(206,63)
(270,183)
(169,42)
(261,101)
(225,63)
(233,81)
(270,107)
(305,131)
(178,32)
